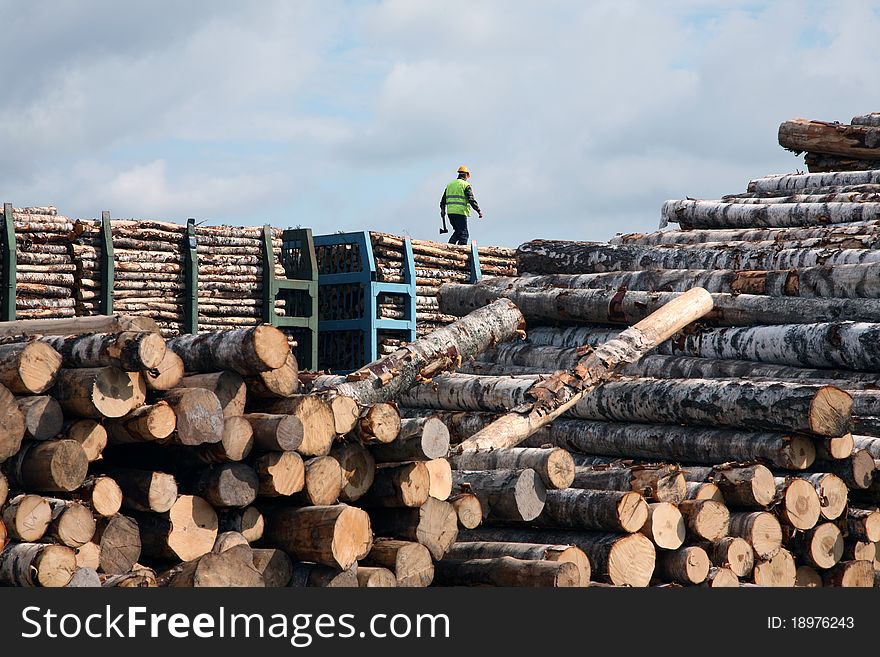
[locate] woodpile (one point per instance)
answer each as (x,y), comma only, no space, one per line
(435,263)
(834,146)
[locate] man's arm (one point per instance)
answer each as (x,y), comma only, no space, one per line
(469,195)
(443,204)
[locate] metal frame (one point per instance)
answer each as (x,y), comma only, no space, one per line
(108,267)
(10,265)
(368,324)
(304,279)
(191,279)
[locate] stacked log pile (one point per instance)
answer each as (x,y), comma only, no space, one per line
(45,276)
(150,275)
(717,402)
(435,263)
(834,146)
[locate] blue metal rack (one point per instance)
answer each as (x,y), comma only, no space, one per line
(361,272)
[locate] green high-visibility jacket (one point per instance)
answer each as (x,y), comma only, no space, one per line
(456,201)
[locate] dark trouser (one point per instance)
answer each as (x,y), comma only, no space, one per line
(459,227)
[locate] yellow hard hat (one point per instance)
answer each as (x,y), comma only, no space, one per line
(463,169)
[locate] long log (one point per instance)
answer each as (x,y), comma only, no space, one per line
(335,536)
(52,466)
(96,324)
(131,351)
(506,571)
(691,214)
(820,410)
(246,351)
(746,486)
(555,466)
(384,379)
(506,495)
(661,483)
(559,393)
(468,550)
(790,182)
(857,141)
(597,510)
(627,306)
(619,559)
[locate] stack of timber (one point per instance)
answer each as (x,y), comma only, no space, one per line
(833,146)
(435,264)
(774,386)
(45,280)
(150,278)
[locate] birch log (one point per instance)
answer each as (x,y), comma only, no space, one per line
(554,466)
(246,351)
(131,351)
(384,379)
(29,367)
(559,393)
(712,214)
(857,141)
(507,495)
(792,182)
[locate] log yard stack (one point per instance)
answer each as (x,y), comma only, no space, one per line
(833,146)
(762,415)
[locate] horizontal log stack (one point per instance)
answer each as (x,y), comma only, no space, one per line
(435,263)
(833,146)
(773,500)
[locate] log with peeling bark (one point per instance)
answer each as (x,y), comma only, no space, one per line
(628,306)
(619,559)
(820,547)
(790,182)
(661,483)
(690,214)
(183,533)
(746,486)
(434,525)
(419,439)
(378,424)
(506,571)
(246,351)
(555,466)
(335,536)
(441,350)
(37,564)
(703,491)
(665,526)
(410,562)
(561,392)
(130,350)
(506,495)
(857,141)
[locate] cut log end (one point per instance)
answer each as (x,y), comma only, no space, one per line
(631,561)
(168,373)
(37,366)
(270,346)
(778,571)
(801,507)
(469,510)
(665,526)
(830,412)
(193,527)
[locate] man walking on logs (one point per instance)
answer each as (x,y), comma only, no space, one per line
(458,198)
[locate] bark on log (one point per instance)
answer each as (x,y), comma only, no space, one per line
(28,368)
(761,529)
(384,379)
(506,571)
(12,425)
(799,505)
(96,324)
(820,547)
(791,182)
(506,495)
(378,423)
(35,564)
(420,439)
(185,532)
(130,351)
(434,525)
(27,518)
(316,418)
(95,393)
(152,423)
(613,511)
(227,485)
(335,536)
(554,466)
(358,469)
(833,494)
(374,577)
(661,483)
(43,417)
(144,490)
(52,466)
(232,568)
(732,552)
(746,486)
(703,491)
(688,565)
(276,432)
(410,562)
(199,415)
(168,374)
(857,470)
(857,141)
(246,351)
(560,393)
(274,565)
(72,523)
(850,574)
(119,540)
(278,383)
(691,214)
(863,523)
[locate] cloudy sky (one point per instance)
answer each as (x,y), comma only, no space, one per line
(577,119)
